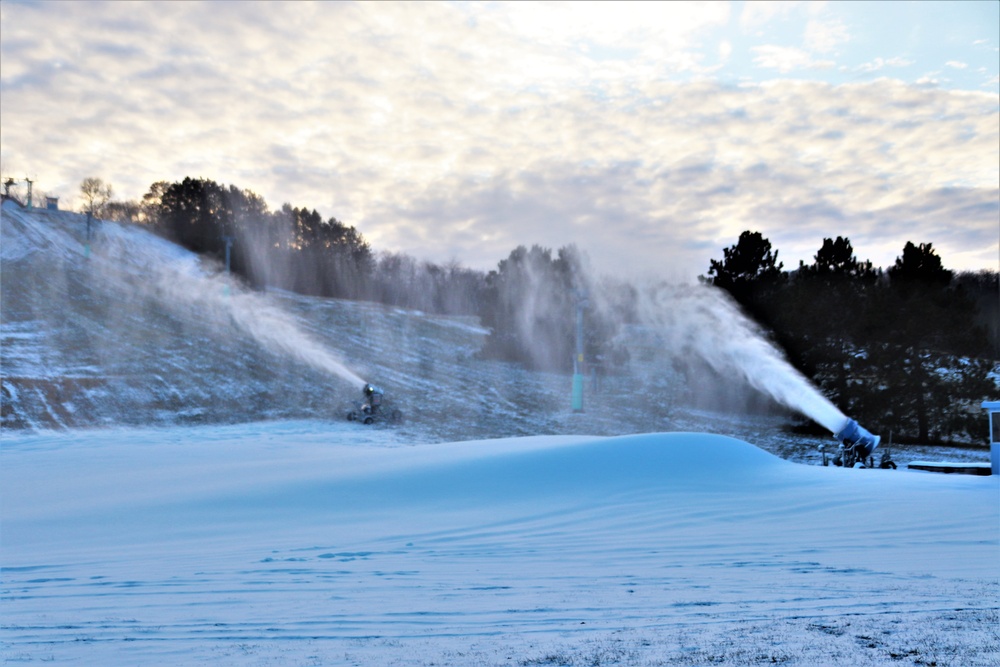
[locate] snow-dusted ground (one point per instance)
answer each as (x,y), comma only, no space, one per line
(326,543)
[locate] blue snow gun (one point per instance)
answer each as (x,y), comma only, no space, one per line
(858,438)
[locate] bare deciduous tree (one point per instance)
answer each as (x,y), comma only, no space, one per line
(96,195)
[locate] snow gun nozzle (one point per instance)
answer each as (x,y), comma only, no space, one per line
(854,435)
(370,389)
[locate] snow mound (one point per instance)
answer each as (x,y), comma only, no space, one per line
(529,468)
(489,477)
(309,481)
(303,542)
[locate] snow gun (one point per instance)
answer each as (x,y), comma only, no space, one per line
(858,439)
(374,408)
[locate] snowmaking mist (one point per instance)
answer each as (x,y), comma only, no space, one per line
(179,281)
(698,326)
(684,344)
(113,323)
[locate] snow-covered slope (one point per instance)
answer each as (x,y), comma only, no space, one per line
(89,340)
(135,330)
(301,543)
(138,331)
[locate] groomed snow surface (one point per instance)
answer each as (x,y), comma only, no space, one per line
(321,543)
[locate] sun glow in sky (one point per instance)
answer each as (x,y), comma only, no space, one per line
(650,134)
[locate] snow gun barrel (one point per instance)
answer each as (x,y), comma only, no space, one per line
(854,435)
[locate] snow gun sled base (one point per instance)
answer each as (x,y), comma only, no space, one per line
(374,408)
(856,449)
(371,414)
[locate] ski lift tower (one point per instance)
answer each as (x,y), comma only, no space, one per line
(581,304)
(993,408)
(228,240)
(90,221)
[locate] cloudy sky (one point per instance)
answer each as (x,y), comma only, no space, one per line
(649,134)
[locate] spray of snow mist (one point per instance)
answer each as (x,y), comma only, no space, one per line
(178,280)
(705,323)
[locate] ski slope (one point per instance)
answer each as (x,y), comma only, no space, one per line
(129,329)
(294,543)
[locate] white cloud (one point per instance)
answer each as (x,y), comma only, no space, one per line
(761,12)
(787,59)
(725,50)
(824,36)
(955,64)
(645,35)
(609,22)
(447,138)
(879,64)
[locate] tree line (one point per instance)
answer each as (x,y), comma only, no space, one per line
(912,349)
(294,248)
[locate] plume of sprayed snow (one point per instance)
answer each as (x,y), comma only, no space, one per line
(705,323)
(274,329)
(180,282)
(536,303)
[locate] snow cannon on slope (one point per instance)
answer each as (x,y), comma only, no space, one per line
(374,407)
(857,445)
